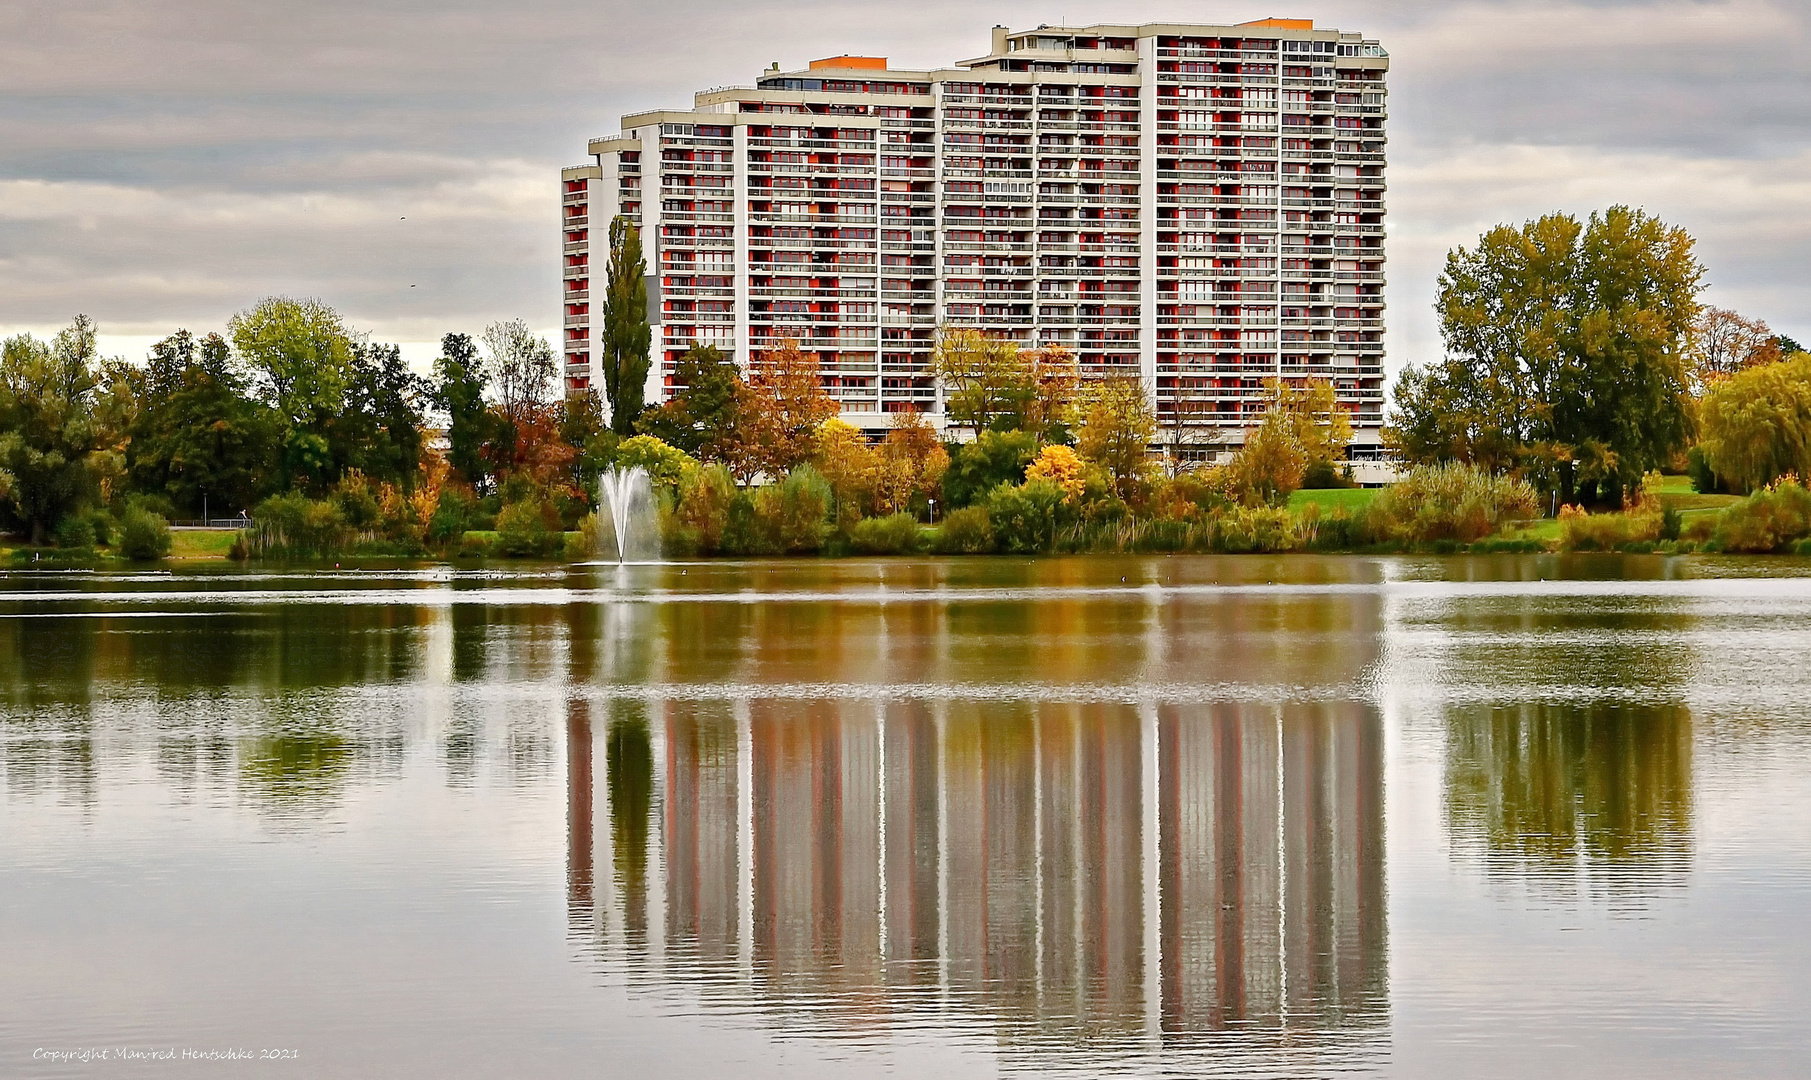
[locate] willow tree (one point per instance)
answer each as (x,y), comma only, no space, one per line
(626,336)
(1566,354)
(1756,424)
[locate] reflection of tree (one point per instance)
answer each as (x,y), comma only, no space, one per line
(629,761)
(299,770)
(1552,789)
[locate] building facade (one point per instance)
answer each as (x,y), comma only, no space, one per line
(1197,206)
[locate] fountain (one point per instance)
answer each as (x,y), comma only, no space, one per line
(628,520)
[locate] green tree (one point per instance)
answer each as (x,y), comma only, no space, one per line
(461,379)
(1565,342)
(378,429)
(304,358)
(60,425)
(1756,424)
(700,413)
(626,336)
(199,437)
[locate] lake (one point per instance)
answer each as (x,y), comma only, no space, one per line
(1242,816)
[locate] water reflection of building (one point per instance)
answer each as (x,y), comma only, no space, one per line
(1101,870)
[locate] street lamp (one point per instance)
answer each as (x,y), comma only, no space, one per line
(933,503)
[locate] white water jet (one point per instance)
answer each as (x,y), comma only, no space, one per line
(629,522)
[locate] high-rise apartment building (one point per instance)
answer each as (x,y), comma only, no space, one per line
(1198,206)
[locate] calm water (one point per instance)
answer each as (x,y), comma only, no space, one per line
(1171,816)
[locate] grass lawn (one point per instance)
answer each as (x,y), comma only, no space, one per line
(1541,529)
(201,543)
(1332,498)
(1676,492)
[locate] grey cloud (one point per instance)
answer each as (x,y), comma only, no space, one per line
(168,163)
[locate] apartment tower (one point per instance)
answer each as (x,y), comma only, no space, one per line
(1197,206)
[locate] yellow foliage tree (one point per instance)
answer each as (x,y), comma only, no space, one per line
(1117,425)
(1059,466)
(911,462)
(843,455)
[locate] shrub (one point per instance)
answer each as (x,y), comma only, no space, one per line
(895,534)
(1025,518)
(105,528)
(968,531)
(295,526)
(702,513)
(977,468)
(1670,523)
(792,517)
(455,513)
(1580,531)
(357,503)
(75,532)
(667,466)
(1241,528)
(1768,520)
(526,528)
(1454,502)
(143,536)
(742,534)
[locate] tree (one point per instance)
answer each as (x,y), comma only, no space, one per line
(912,463)
(699,414)
(460,394)
(1043,400)
(1058,465)
(1269,466)
(1316,422)
(1557,335)
(302,355)
(1723,343)
(199,437)
(378,432)
(841,452)
(1756,424)
(626,336)
(59,425)
(524,374)
(985,378)
(1117,426)
(777,413)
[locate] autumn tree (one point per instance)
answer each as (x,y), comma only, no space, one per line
(1317,423)
(524,379)
(1117,425)
(984,378)
(626,336)
(1723,343)
(841,452)
(912,463)
(1565,342)
(1756,423)
(777,413)
(1269,466)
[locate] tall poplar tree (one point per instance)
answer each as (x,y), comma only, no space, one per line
(626,337)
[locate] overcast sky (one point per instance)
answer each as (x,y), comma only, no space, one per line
(165,164)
